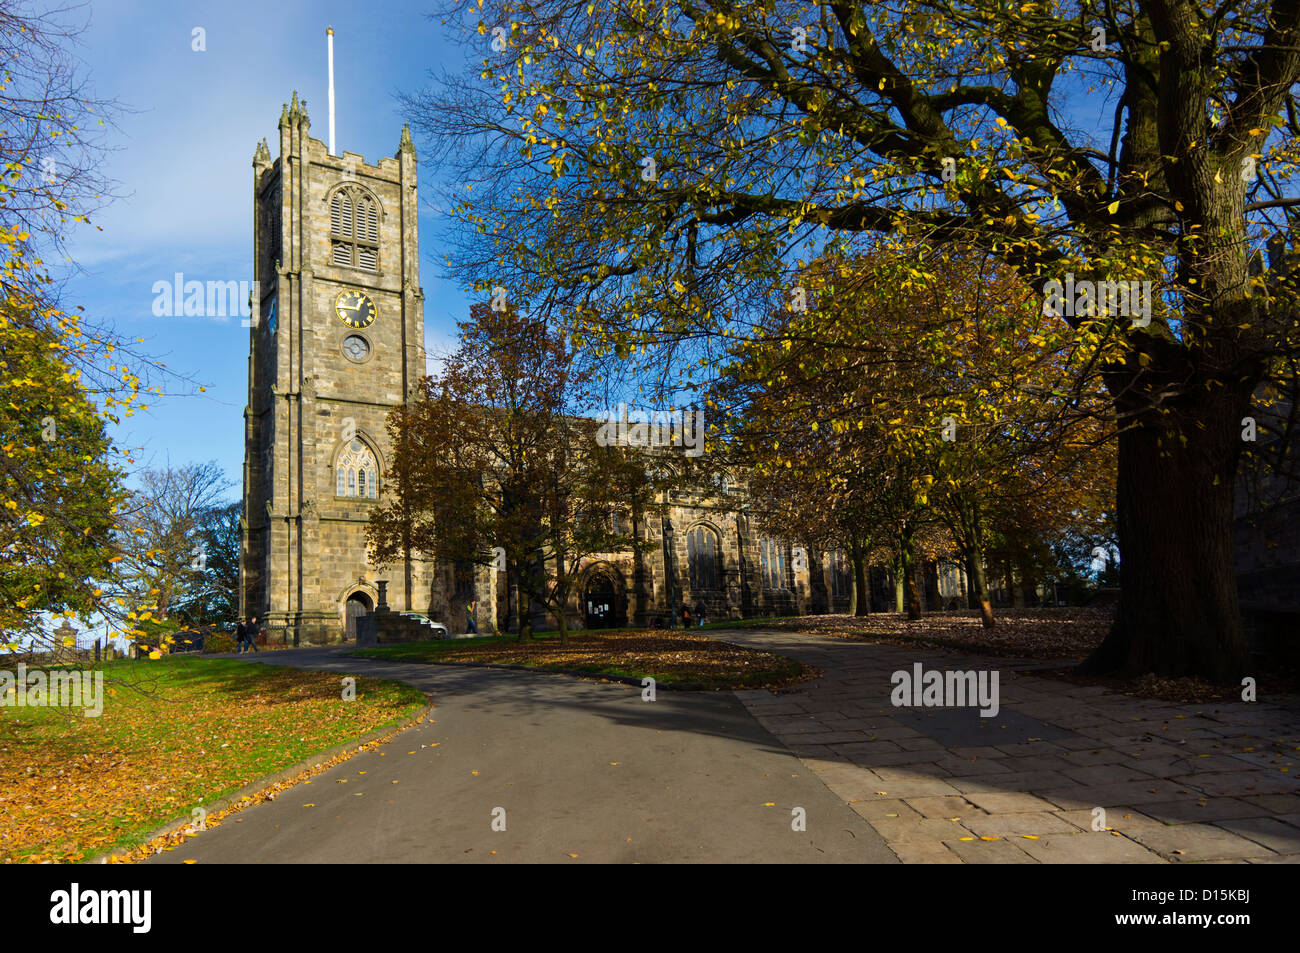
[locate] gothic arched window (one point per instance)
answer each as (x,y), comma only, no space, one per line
(771,560)
(354,229)
(617,522)
(356,473)
(702,552)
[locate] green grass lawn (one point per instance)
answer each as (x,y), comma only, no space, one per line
(175,733)
(682,658)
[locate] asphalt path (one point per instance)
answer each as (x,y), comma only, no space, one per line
(576,770)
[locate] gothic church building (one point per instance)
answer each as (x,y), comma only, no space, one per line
(336,344)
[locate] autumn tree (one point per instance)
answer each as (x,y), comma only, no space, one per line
(160,536)
(658,169)
(810,418)
(60,491)
(792,503)
(496,460)
(896,403)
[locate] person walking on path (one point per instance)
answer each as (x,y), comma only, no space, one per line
(701,610)
(241,633)
(470,625)
(686,617)
(250,634)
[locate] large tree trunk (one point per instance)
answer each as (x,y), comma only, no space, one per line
(1028,587)
(1178,612)
(560,596)
(525,604)
(1016,593)
(562,621)
(972,532)
(900,596)
(508,621)
(860,598)
(981,588)
(909,577)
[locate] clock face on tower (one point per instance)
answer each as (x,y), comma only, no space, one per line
(355,309)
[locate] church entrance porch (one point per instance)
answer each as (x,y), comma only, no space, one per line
(357,605)
(598,599)
(602,603)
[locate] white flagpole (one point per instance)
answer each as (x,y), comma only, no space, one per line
(329,34)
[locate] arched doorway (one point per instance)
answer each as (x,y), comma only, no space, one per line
(600,602)
(357,605)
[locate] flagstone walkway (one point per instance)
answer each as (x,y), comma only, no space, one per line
(1062,774)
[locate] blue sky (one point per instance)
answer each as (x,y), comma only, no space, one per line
(183,160)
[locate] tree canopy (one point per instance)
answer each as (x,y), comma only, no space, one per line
(657,176)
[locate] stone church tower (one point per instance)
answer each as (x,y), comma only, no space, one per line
(337,341)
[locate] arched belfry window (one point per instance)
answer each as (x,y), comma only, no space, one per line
(354,229)
(356,473)
(703,553)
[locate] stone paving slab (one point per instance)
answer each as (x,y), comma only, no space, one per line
(1206,810)
(950,807)
(974,850)
(1018,781)
(1011,825)
(1121,819)
(975,767)
(967,727)
(1009,803)
(1271,833)
(925,853)
(887,809)
(910,830)
(1179,783)
(1106,773)
(907,789)
(1091,847)
(1196,842)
